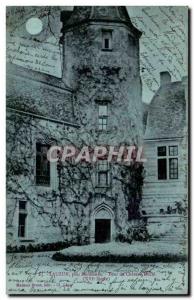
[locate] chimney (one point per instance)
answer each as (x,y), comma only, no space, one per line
(165,78)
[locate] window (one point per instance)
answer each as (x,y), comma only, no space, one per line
(167,162)
(102,117)
(22,219)
(173,162)
(22,205)
(161,151)
(173,168)
(102,173)
(162,169)
(173,150)
(106,39)
(42,165)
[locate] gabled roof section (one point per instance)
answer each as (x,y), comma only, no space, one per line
(39,95)
(13,69)
(167,112)
(145,115)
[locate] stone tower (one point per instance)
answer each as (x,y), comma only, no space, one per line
(101,63)
(101,93)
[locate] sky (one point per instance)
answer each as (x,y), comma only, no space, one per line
(163,45)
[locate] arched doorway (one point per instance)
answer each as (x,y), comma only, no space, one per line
(102,224)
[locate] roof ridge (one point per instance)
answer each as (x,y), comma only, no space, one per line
(14,69)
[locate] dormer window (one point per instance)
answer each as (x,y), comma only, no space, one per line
(106,39)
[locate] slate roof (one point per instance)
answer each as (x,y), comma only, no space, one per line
(145,115)
(51,80)
(167,112)
(83,14)
(39,94)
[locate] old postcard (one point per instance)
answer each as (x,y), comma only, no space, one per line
(97,150)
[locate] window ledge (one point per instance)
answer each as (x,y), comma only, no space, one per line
(103,100)
(168,180)
(102,131)
(106,50)
(164,215)
(43,189)
(163,181)
(43,186)
(23,211)
(25,240)
(102,187)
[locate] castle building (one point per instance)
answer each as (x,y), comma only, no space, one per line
(165,193)
(97,101)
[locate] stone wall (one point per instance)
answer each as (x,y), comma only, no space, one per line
(158,195)
(111,76)
(62,211)
(45,210)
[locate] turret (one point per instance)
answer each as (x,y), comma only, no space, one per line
(101,63)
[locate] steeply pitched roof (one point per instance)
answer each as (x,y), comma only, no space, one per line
(145,115)
(39,94)
(17,70)
(82,14)
(167,112)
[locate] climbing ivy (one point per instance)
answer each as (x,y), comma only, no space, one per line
(132,183)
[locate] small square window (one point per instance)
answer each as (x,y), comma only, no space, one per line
(162,151)
(102,165)
(102,110)
(103,173)
(22,205)
(102,123)
(102,179)
(173,168)
(173,150)
(106,39)
(167,162)
(102,117)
